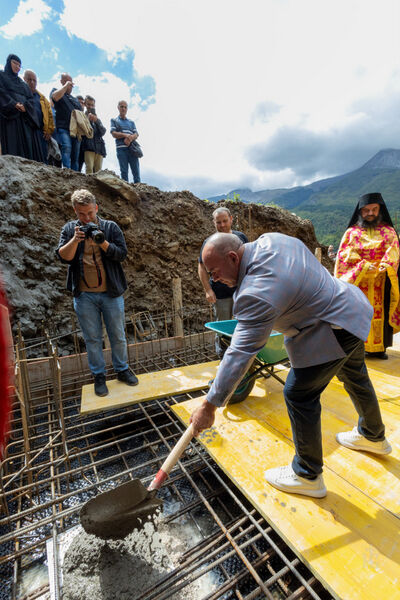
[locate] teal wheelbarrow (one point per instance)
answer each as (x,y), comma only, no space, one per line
(273,353)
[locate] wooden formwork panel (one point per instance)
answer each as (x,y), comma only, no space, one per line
(158,384)
(350,539)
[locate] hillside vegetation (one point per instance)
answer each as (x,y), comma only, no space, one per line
(329,203)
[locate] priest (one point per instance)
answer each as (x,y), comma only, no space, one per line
(368,257)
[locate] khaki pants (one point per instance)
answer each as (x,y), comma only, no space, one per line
(93,162)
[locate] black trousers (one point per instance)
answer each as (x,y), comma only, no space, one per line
(302,393)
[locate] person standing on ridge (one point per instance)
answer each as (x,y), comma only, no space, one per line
(43,110)
(94,148)
(19,124)
(64,104)
(124,131)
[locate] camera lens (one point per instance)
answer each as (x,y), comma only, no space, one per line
(98,237)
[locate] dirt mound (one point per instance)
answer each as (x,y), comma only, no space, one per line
(163,230)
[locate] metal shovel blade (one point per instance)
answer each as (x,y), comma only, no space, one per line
(116,513)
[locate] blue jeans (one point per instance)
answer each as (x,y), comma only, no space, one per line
(302,392)
(126,159)
(69,147)
(90,307)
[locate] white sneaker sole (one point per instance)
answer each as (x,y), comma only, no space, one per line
(304,492)
(365,448)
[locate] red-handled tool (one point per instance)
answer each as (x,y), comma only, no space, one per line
(171,459)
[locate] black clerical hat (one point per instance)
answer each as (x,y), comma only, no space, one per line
(372,198)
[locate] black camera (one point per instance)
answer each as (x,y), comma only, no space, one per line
(92,231)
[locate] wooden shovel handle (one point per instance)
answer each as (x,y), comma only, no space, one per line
(172,459)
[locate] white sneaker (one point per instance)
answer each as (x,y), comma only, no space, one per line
(285,479)
(355,441)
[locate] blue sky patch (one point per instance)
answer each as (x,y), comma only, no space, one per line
(53,50)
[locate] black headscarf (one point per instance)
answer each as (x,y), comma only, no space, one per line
(12,82)
(12,90)
(373,198)
(8,68)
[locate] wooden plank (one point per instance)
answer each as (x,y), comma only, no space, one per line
(390,366)
(350,539)
(387,385)
(151,385)
(377,476)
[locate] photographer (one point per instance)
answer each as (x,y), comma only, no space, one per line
(94,249)
(94,148)
(64,104)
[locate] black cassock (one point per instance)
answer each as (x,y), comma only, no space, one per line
(19,131)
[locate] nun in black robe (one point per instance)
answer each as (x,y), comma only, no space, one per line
(19,131)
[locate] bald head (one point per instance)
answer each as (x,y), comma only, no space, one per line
(31,79)
(222,243)
(222,255)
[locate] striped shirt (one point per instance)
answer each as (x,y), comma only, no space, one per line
(123,126)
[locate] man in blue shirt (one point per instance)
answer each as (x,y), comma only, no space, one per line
(124,131)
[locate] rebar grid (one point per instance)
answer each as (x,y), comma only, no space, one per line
(70,460)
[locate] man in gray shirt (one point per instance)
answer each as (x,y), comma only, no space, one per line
(282,286)
(218,294)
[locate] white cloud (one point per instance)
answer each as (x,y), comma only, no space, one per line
(214,63)
(27,20)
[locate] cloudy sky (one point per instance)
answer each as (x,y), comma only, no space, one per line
(225,93)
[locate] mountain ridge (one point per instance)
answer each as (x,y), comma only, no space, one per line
(329,202)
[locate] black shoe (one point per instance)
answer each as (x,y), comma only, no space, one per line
(381,355)
(100,388)
(127,377)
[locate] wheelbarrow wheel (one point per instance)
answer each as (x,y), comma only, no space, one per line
(243,389)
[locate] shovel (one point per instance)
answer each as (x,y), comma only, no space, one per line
(116,513)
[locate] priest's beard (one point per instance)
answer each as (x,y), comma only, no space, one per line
(365,224)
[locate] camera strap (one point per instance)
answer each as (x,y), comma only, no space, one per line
(98,271)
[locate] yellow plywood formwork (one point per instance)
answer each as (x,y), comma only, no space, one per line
(391,366)
(350,539)
(151,385)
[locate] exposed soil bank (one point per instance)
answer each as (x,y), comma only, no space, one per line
(163,230)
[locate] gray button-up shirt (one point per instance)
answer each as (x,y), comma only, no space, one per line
(282,286)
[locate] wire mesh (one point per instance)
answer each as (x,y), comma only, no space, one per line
(57,459)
